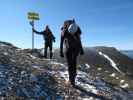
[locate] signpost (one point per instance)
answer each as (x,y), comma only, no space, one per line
(32,16)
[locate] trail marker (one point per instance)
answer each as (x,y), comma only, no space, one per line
(32,16)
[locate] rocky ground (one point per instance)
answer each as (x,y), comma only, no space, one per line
(24,76)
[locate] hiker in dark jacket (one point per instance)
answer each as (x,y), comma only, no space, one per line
(73,48)
(49,39)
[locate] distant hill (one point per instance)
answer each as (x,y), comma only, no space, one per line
(93,58)
(128,53)
(102,74)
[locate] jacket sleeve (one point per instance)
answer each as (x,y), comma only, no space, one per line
(40,33)
(81,47)
(53,37)
(61,42)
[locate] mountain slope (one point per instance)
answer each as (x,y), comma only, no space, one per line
(124,63)
(93,57)
(107,63)
(23,75)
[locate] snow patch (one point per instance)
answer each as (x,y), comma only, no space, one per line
(110,60)
(90,98)
(42,52)
(117,78)
(88,87)
(33,57)
(5,53)
(56,63)
(34,66)
(81,74)
(65,75)
(106,71)
(122,81)
(23,72)
(88,66)
(113,75)
(38,67)
(99,69)
(124,85)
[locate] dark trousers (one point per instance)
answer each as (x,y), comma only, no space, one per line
(71,56)
(48,45)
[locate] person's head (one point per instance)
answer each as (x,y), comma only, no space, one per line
(48,31)
(47,27)
(67,23)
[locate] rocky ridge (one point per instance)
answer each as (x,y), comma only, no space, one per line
(25,76)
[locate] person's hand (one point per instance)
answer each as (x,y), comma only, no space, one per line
(54,40)
(61,54)
(33,30)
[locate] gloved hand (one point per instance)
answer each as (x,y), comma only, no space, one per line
(54,40)
(61,54)
(33,29)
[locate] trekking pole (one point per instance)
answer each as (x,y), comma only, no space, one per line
(32,35)
(32,16)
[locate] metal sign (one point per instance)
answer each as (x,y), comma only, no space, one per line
(33,16)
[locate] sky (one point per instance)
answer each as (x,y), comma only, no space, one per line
(103,22)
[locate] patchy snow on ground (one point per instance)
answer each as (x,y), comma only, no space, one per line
(126,85)
(113,75)
(5,53)
(88,66)
(99,68)
(110,60)
(64,75)
(117,78)
(56,63)
(33,57)
(122,81)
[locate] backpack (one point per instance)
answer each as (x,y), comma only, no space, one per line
(73,34)
(72,29)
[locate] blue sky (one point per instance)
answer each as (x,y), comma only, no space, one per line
(103,22)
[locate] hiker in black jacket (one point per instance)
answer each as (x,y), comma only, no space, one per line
(73,48)
(49,39)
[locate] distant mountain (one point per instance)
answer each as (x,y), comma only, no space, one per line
(128,53)
(97,56)
(106,62)
(102,74)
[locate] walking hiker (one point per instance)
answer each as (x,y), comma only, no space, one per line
(49,39)
(70,35)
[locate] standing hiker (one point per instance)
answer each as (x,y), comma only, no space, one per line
(70,35)
(49,39)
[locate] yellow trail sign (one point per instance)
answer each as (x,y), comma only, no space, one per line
(33,16)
